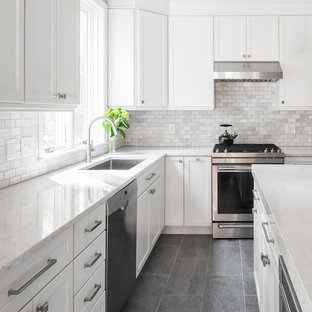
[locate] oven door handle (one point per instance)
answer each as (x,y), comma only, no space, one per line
(234,226)
(231,169)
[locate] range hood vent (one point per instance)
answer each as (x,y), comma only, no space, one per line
(248,71)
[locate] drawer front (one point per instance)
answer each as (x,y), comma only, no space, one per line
(148,177)
(89,261)
(57,295)
(21,283)
(100,304)
(90,293)
(89,228)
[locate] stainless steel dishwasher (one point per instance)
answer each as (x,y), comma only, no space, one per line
(121,246)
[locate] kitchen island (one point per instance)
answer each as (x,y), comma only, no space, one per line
(283,202)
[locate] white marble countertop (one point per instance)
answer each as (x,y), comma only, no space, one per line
(297,151)
(286,192)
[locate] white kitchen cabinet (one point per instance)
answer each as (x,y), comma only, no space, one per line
(137,59)
(295,58)
(12,50)
(230,38)
(262,38)
(142,230)
(197,194)
(52,53)
(153,58)
(191,84)
(27,308)
(174,212)
(155,211)
(100,305)
(58,294)
(246,38)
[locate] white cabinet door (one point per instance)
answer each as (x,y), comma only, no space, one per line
(142,229)
(100,305)
(295,57)
(121,73)
(12,50)
(155,211)
(52,51)
(153,60)
(174,212)
(68,50)
(191,83)
(197,186)
(230,38)
(40,52)
(262,38)
(58,294)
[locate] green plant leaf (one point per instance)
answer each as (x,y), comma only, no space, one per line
(122,133)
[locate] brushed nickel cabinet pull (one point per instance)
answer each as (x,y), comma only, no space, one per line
(97,257)
(150,177)
(152,191)
(265,260)
(267,238)
(91,229)
(43,308)
(97,289)
(15,292)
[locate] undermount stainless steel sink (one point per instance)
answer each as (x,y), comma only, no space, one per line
(116,164)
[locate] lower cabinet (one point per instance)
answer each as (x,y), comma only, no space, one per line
(265,270)
(188,191)
(149,225)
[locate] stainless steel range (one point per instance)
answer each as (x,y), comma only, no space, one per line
(232,186)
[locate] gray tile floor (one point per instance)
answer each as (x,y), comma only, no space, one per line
(193,273)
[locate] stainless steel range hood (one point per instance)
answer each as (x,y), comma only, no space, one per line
(248,71)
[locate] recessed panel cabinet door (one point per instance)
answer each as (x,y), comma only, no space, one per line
(58,294)
(230,38)
(197,186)
(174,211)
(191,84)
(295,58)
(142,229)
(155,210)
(262,38)
(153,60)
(12,50)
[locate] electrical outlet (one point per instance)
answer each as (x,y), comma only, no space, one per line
(27,147)
(290,128)
(11,149)
(171,129)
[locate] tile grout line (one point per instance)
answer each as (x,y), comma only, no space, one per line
(175,259)
(205,284)
(241,259)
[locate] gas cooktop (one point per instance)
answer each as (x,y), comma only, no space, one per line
(247,148)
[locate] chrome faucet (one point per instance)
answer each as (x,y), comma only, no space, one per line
(89,146)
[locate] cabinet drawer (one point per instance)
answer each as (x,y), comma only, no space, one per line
(100,304)
(22,282)
(89,228)
(148,177)
(91,291)
(89,261)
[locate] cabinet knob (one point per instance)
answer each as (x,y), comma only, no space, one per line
(244,55)
(180,161)
(197,159)
(283,102)
(265,260)
(43,308)
(152,191)
(142,101)
(249,55)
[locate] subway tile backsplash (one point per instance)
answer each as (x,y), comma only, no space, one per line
(252,108)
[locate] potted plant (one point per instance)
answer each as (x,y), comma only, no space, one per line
(120,118)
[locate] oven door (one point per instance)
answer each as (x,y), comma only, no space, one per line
(232,193)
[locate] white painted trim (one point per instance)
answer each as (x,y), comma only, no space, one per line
(187,230)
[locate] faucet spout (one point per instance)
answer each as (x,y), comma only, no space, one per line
(89,147)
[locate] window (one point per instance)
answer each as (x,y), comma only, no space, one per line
(64,130)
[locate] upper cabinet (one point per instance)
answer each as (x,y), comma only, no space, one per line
(295,57)
(52,52)
(251,38)
(12,50)
(41,37)
(137,59)
(191,84)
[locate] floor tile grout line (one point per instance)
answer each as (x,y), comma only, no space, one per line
(241,260)
(175,259)
(205,284)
